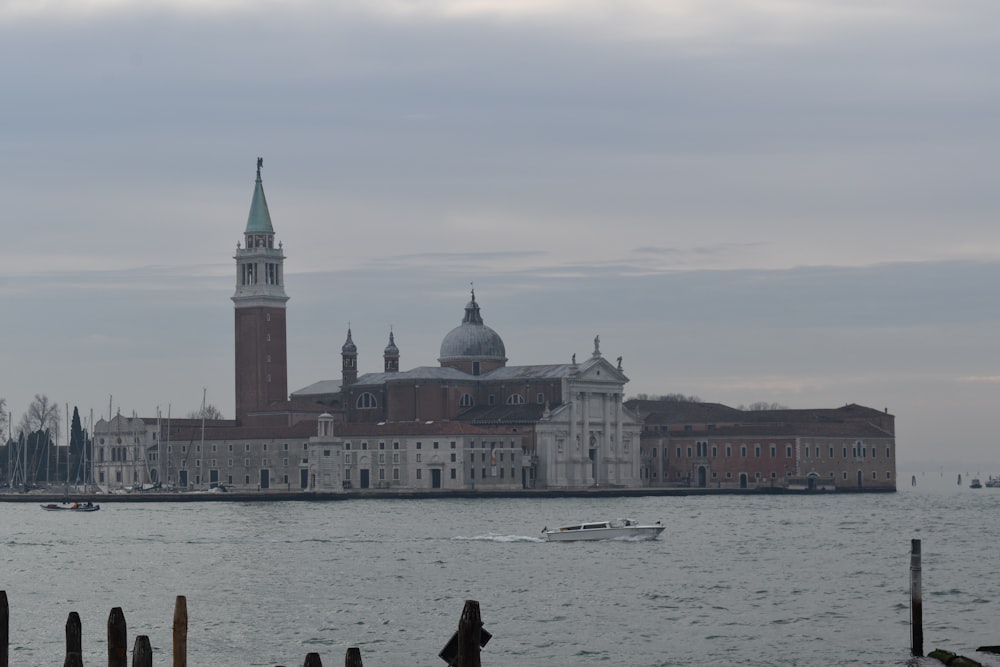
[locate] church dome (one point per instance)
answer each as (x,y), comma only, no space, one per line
(472,340)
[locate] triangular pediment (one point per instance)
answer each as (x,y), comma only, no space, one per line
(599,369)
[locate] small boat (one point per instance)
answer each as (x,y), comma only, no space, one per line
(975,483)
(993,482)
(604,530)
(71,507)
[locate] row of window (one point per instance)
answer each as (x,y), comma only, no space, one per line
(434,445)
(682,475)
(701,449)
(246,448)
(367,400)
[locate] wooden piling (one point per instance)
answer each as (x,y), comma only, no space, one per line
(469,629)
(142,653)
(180,631)
(312,660)
(117,639)
(74,641)
(916,602)
(353,657)
(4,630)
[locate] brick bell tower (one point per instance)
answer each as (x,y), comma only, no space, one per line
(261,348)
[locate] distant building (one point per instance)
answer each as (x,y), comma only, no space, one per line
(709,445)
(472,422)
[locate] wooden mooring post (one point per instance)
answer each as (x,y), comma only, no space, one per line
(4,630)
(916,603)
(462,650)
(74,641)
(180,631)
(117,639)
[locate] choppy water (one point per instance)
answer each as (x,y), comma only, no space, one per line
(751,580)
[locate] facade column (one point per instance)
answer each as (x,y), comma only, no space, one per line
(585,464)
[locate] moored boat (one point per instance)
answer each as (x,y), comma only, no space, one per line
(993,482)
(975,483)
(71,507)
(605,530)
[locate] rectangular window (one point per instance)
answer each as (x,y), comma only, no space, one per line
(453,457)
(435,444)
(774,452)
(454,475)
(395,474)
(453,444)
(419,471)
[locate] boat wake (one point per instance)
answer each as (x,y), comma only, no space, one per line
(491,537)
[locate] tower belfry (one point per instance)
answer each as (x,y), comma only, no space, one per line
(259,300)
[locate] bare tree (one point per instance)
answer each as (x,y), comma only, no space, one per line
(42,415)
(209,412)
(761,406)
(4,418)
(40,425)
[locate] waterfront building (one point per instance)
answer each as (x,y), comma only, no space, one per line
(709,445)
(472,422)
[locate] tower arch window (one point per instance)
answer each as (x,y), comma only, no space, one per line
(367,401)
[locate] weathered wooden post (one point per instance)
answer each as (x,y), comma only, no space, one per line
(469,629)
(4,630)
(916,603)
(74,641)
(353,657)
(312,660)
(117,639)
(142,652)
(180,631)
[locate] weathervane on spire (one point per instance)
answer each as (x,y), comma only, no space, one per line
(260,163)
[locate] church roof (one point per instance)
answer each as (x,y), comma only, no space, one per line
(321,388)
(259,220)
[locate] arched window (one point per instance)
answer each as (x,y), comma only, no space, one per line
(367,401)
(466,401)
(515,399)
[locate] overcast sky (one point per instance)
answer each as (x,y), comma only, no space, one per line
(761,200)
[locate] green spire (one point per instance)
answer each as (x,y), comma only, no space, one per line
(259,220)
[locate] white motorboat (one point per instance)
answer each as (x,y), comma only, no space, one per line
(605,530)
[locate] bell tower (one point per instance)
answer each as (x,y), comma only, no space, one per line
(261,348)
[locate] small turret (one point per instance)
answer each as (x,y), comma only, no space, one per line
(349,361)
(391,355)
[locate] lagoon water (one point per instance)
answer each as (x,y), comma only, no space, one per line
(735,580)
